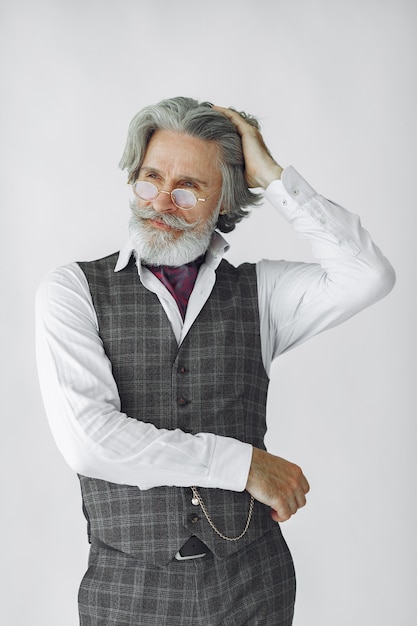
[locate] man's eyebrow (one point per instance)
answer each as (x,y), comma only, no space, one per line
(193,179)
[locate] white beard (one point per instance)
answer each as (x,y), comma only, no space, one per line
(163,247)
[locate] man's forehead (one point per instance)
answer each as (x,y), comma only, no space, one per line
(183,155)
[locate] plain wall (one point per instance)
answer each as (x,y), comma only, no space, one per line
(334,84)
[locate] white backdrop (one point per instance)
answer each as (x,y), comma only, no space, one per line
(334,85)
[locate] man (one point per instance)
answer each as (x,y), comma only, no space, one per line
(154,367)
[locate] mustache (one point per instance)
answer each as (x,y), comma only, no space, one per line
(174,221)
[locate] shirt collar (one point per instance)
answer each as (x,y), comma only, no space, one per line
(216,250)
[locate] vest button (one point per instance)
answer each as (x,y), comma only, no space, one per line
(181,370)
(183,401)
(193,518)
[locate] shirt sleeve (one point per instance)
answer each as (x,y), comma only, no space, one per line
(83,405)
(299,300)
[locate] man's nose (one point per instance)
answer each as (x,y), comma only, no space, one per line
(163,202)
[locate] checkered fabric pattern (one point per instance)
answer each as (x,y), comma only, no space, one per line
(215,382)
(253,587)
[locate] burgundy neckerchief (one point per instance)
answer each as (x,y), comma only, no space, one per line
(179,280)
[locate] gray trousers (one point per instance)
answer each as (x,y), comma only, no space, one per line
(255,586)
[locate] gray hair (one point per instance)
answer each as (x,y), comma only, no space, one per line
(188,116)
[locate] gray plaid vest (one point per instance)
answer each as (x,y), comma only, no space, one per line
(214,382)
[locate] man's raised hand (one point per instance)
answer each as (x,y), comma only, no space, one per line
(260,168)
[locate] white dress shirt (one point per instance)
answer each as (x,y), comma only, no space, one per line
(296,301)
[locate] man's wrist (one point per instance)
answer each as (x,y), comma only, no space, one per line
(270,174)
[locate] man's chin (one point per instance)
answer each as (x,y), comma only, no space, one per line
(161,246)
(172,253)
(170,258)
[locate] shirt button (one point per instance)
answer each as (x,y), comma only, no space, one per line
(284,202)
(183,401)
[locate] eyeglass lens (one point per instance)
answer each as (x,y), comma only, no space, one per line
(183,198)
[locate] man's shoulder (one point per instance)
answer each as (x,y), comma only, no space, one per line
(243,268)
(244,274)
(101,262)
(109,264)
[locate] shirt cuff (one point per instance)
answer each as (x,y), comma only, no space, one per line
(289,193)
(230,464)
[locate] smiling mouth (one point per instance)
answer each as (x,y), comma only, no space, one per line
(161,224)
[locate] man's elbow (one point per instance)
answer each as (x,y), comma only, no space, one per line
(375,283)
(381,280)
